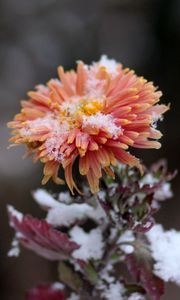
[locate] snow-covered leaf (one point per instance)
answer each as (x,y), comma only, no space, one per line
(41,237)
(66,213)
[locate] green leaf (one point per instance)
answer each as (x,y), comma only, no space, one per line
(91,274)
(69,277)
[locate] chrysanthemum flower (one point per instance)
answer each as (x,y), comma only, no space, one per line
(94,115)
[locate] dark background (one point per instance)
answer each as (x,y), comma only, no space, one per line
(38,35)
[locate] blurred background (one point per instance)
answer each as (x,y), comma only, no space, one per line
(37,36)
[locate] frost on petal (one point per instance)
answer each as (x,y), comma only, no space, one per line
(91,244)
(97,111)
(165,248)
(103,122)
(109,64)
(46,292)
(41,237)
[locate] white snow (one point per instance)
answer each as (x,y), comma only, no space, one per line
(98,214)
(126,237)
(104,122)
(165,247)
(91,243)
(15,249)
(65,213)
(65,197)
(13,212)
(61,213)
(164,192)
(73,297)
(109,64)
(101,195)
(54,126)
(155,118)
(44,199)
(136,296)
(148,179)
(70,107)
(57,286)
(49,121)
(106,276)
(114,292)
(95,86)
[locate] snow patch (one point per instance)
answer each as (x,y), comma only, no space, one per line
(66,213)
(164,192)
(91,243)
(165,247)
(155,118)
(114,292)
(126,237)
(73,297)
(136,296)
(15,213)
(148,179)
(15,249)
(57,286)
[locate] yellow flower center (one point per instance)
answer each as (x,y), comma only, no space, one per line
(71,111)
(90,107)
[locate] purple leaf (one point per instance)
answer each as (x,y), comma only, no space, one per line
(145,225)
(141,271)
(41,237)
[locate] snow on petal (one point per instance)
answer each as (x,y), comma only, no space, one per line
(103,122)
(109,64)
(96,111)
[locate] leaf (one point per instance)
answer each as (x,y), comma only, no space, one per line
(46,292)
(41,237)
(134,288)
(140,268)
(91,274)
(69,277)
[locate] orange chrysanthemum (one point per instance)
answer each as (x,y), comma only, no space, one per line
(93,114)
